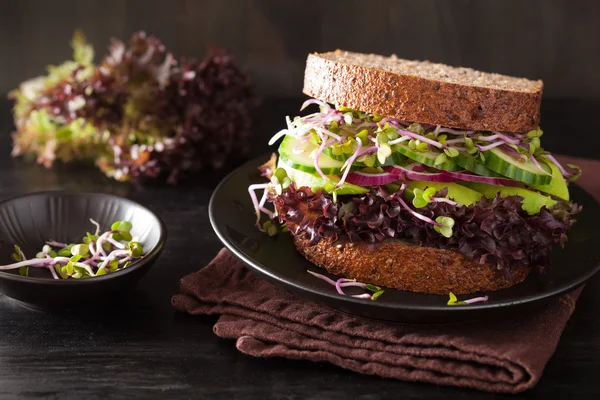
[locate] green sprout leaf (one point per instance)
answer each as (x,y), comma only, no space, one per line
(337,150)
(577,174)
(369,160)
(451,152)
(422,197)
(138,250)
(113,265)
(24,271)
(268,226)
(64,252)
(445,226)
(469,145)
(392,133)
(280,174)
(80,250)
(59,271)
(453,301)
(440,159)
(18,254)
(373,288)
(121,226)
(126,236)
(377,294)
(416,128)
(382,138)
(422,147)
(101,271)
(89,238)
(383,153)
(536,133)
(363,136)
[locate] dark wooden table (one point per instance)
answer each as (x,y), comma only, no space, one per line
(143,348)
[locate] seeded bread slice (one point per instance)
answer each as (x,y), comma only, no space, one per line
(425,92)
(404,266)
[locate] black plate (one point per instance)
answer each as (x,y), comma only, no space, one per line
(30,220)
(232,217)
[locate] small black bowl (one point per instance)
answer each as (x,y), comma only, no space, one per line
(29,220)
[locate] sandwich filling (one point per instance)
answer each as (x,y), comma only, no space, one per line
(496,197)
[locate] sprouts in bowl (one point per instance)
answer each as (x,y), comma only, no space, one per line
(102,259)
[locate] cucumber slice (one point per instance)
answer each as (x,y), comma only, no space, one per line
(472,164)
(427,158)
(459,193)
(303,161)
(532,201)
(504,164)
(557,186)
(315,181)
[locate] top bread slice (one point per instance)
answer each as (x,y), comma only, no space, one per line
(425,92)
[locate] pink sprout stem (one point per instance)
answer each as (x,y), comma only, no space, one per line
(455,141)
(257,207)
(53,272)
(322,147)
(537,164)
(399,140)
(444,200)
(490,146)
(423,139)
(323,277)
(563,171)
(439,129)
(355,284)
(477,300)
(501,136)
(338,287)
(115,243)
(348,164)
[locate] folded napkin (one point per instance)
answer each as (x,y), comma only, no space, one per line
(506,355)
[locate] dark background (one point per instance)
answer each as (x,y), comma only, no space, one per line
(143,348)
(554,40)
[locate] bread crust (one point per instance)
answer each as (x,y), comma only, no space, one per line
(400,265)
(415,99)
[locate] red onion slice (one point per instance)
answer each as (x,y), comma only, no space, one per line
(419,176)
(362,179)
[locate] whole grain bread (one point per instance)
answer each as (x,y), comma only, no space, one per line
(425,92)
(400,265)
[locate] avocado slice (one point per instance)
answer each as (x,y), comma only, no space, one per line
(315,181)
(532,201)
(557,186)
(461,194)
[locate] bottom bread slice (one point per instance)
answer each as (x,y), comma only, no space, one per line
(400,265)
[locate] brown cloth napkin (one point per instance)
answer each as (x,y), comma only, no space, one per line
(500,356)
(506,355)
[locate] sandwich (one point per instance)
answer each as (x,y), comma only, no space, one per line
(417,176)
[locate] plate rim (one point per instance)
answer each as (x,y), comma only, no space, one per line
(380,303)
